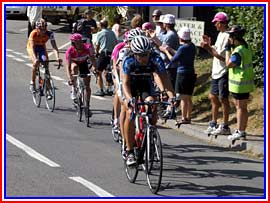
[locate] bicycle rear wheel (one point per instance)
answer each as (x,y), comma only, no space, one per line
(49,91)
(154,159)
(37,94)
(86,112)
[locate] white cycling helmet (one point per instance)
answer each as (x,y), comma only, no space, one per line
(133,33)
(140,44)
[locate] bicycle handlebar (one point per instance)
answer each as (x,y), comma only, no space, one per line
(48,61)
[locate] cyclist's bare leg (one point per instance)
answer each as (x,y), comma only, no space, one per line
(129,130)
(122,118)
(100,80)
(88,90)
(116,107)
(74,71)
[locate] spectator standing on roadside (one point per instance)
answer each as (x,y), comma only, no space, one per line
(117,28)
(136,22)
(33,13)
(156,19)
(87,26)
(241,76)
(186,77)
(219,85)
(106,41)
(170,38)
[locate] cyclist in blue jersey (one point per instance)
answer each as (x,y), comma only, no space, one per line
(140,70)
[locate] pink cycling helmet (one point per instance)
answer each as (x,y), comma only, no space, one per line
(75,37)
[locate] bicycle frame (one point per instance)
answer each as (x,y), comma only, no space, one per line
(45,85)
(80,90)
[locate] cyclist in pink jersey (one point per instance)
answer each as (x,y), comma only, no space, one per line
(77,57)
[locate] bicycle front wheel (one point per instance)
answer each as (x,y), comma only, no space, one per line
(38,90)
(154,159)
(49,91)
(131,172)
(79,105)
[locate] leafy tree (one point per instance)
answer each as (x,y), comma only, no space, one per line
(252,18)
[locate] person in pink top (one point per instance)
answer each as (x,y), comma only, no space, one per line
(77,56)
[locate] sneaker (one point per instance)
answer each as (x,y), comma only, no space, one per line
(99,93)
(212,126)
(130,159)
(221,130)
(32,88)
(49,97)
(209,130)
(72,95)
(237,135)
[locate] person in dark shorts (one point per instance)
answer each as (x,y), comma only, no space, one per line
(219,86)
(106,41)
(186,77)
(241,77)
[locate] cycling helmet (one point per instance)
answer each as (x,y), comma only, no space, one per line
(135,32)
(140,44)
(237,31)
(41,23)
(75,37)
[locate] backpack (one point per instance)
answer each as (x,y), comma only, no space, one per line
(75,26)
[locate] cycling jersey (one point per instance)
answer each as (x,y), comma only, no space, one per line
(155,64)
(141,80)
(40,40)
(79,57)
(116,50)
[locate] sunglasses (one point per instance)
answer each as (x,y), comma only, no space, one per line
(143,54)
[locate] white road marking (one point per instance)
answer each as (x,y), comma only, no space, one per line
(24,29)
(31,152)
(18,59)
(98,97)
(96,189)
(57,78)
(9,50)
(19,53)
(10,55)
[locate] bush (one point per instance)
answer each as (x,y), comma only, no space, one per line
(252,18)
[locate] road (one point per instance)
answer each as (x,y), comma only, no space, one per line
(52,155)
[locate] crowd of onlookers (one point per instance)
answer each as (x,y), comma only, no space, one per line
(232,70)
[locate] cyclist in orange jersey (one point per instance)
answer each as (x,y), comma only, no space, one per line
(36,47)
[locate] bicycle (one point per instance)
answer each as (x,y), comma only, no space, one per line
(80,101)
(148,147)
(45,85)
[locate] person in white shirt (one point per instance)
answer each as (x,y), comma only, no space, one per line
(219,85)
(33,13)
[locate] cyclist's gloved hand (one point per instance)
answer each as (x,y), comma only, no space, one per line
(36,62)
(70,81)
(131,102)
(164,96)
